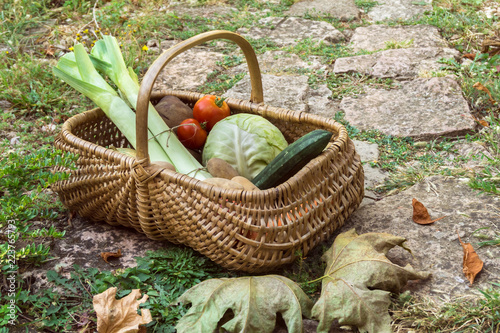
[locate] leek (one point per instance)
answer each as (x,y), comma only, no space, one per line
(77,70)
(108,58)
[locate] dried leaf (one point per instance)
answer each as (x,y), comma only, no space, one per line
(50,50)
(358,282)
(106,255)
(120,316)
(480,87)
(253,300)
(472,264)
(420,213)
(470,56)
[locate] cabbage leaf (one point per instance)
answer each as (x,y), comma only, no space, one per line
(246,141)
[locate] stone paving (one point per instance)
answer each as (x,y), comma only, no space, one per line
(419,106)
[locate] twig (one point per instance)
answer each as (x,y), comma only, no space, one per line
(373,198)
(93,15)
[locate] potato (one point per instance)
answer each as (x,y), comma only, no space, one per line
(217,167)
(247,185)
(224,183)
(173,111)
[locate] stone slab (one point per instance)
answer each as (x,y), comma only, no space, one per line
(422,109)
(395,10)
(188,70)
(436,247)
(368,152)
(375,37)
(344,10)
(288,31)
(280,62)
(404,63)
(290,92)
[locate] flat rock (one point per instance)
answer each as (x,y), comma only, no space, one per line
(398,9)
(422,109)
(290,92)
(436,247)
(275,62)
(368,152)
(404,63)
(85,241)
(188,70)
(344,10)
(288,31)
(375,37)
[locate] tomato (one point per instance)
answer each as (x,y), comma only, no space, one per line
(191,134)
(210,109)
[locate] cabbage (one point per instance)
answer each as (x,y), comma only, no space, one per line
(248,142)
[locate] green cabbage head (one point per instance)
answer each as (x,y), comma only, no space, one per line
(248,142)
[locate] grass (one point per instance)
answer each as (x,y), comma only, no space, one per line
(464,315)
(34,34)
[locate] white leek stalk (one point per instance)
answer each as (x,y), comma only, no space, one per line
(107,57)
(77,70)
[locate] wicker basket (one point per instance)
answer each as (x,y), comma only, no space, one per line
(252,231)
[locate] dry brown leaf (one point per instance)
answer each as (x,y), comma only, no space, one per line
(479,86)
(120,316)
(50,50)
(106,255)
(470,56)
(472,264)
(420,213)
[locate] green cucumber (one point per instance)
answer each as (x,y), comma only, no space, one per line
(292,159)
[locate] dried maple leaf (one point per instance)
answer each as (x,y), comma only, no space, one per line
(120,316)
(420,213)
(479,86)
(358,281)
(106,255)
(472,264)
(253,300)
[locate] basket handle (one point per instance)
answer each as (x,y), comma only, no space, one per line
(155,68)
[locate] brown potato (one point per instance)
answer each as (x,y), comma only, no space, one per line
(224,183)
(247,185)
(173,111)
(217,167)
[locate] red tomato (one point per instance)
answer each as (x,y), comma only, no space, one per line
(210,109)
(191,134)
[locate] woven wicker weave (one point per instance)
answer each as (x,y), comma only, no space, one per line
(252,231)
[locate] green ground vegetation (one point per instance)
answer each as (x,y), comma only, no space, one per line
(33,34)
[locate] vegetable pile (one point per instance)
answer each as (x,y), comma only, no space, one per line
(240,151)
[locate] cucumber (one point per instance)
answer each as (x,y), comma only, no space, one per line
(292,159)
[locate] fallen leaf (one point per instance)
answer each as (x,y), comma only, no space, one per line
(358,281)
(479,86)
(120,316)
(106,255)
(50,50)
(420,213)
(472,264)
(253,300)
(470,56)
